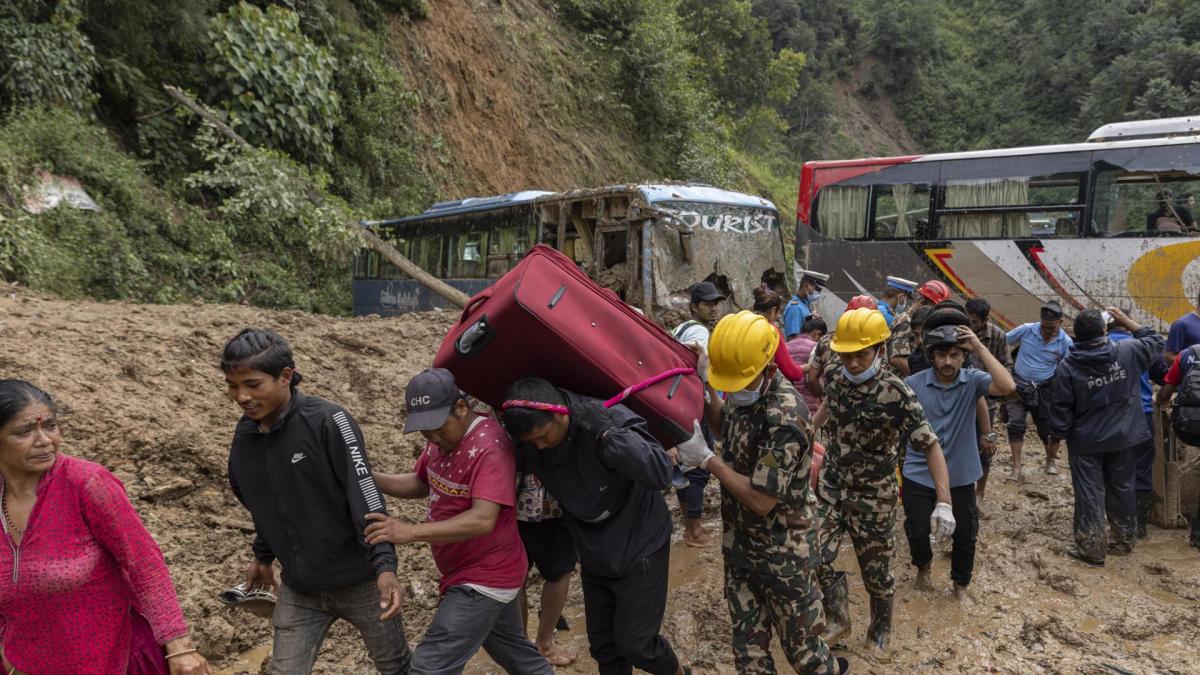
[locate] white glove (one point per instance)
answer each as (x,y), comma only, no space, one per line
(941,522)
(694,452)
(701,359)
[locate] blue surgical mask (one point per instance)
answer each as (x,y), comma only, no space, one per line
(814,296)
(864,375)
(744,397)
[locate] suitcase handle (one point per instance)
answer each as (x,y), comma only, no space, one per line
(481,296)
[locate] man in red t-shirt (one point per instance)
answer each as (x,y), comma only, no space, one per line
(468,471)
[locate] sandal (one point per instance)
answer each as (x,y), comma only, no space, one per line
(255,600)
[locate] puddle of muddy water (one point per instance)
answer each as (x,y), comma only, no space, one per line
(249,661)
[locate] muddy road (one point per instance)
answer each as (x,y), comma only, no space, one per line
(141,393)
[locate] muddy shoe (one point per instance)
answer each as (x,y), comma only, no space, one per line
(1051,469)
(1119,549)
(880,630)
(1079,555)
(837,609)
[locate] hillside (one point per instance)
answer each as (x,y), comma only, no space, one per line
(139,392)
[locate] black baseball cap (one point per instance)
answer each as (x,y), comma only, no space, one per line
(705,291)
(429,398)
(1051,311)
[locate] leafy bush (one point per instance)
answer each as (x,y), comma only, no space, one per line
(275,82)
(46,62)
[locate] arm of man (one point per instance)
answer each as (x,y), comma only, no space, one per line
(1002,381)
(813,375)
(1171,381)
(630,450)
(260,548)
(712,408)
(401,485)
(476,521)
(1061,412)
(775,474)
(936,460)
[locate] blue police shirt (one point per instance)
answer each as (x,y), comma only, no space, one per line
(950,410)
(794,315)
(1185,332)
(1037,360)
(1116,336)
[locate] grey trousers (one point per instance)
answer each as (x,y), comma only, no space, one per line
(301,622)
(467,620)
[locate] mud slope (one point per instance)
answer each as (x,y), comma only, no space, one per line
(141,394)
(512,101)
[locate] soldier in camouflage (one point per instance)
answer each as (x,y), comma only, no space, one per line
(900,344)
(868,412)
(766,503)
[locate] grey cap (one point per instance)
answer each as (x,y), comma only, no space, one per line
(706,291)
(818,278)
(1051,311)
(429,398)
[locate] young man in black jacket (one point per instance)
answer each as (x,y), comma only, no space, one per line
(299,465)
(608,474)
(1095,405)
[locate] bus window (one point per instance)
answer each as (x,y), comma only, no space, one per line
(901,211)
(466,256)
(842,211)
(1010,206)
(427,253)
(506,247)
(1143,203)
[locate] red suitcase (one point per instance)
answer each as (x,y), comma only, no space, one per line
(546,318)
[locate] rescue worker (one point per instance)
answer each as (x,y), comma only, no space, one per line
(608,474)
(870,412)
(821,359)
(1043,344)
(900,344)
(893,302)
(769,533)
(1094,405)
(800,307)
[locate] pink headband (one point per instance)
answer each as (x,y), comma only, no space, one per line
(534,405)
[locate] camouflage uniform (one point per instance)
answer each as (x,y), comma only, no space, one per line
(994,339)
(867,425)
(900,343)
(770,575)
(827,360)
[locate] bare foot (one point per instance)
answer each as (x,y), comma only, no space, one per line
(922,583)
(1017,475)
(557,656)
(699,539)
(963,596)
(1051,468)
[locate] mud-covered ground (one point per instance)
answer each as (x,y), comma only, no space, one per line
(141,393)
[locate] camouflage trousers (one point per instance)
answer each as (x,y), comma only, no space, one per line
(788,606)
(870,523)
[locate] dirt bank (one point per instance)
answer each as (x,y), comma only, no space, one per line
(142,395)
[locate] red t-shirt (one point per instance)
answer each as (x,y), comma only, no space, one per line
(481,466)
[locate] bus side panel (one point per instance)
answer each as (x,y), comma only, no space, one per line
(393,297)
(1154,277)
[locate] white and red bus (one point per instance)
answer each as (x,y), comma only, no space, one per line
(1110,221)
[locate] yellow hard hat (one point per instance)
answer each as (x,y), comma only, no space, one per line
(858,329)
(741,346)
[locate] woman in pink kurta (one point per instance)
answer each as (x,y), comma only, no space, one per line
(83,586)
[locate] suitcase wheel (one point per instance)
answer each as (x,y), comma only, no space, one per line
(475,339)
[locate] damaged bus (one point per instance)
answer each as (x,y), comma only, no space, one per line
(648,243)
(1110,221)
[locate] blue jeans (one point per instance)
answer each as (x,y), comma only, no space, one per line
(302,620)
(467,620)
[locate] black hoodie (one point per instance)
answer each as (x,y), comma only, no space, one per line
(1095,394)
(308,486)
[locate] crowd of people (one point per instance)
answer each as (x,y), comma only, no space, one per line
(812,429)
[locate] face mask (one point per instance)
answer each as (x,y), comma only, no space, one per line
(864,375)
(901,308)
(744,397)
(814,296)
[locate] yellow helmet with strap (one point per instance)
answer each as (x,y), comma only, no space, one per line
(858,329)
(742,345)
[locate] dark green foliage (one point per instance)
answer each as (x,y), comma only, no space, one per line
(44,58)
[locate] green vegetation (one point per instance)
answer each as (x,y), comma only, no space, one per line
(730,92)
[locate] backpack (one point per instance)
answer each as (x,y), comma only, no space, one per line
(682,328)
(1186,417)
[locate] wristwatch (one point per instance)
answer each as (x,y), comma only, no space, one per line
(990,438)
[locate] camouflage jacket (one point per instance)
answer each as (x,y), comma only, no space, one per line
(766,442)
(900,343)
(867,426)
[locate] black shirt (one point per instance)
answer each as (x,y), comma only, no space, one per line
(308,487)
(1184,214)
(610,490)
